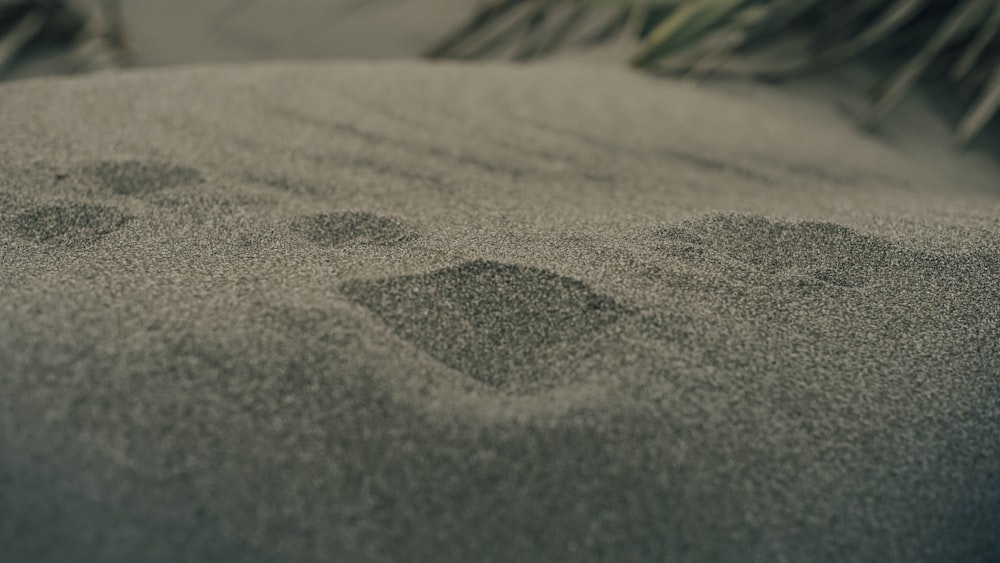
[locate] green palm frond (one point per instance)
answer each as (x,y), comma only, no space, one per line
(766,38)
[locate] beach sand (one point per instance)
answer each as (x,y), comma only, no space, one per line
(402,311)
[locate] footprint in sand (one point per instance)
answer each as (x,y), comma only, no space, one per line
(68,224)
(335,229)
(826,252)
(492,321)
(134,177)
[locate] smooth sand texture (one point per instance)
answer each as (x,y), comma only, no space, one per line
(404,312)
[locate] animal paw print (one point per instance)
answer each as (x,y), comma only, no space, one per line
(336,229)
(68,224)
(826,253)
(491,321)
(135,177)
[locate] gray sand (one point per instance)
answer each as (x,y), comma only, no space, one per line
(409,312)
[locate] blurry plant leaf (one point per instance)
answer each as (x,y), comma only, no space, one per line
(715,47)
(986,34)
(16,38)
(550,36)
(631,3)
(980,114)
(482,18)
(960,18)
(684,26)
(781,13)
(842,50)
(891,19)
(512,25)
(611,25)
(760,38)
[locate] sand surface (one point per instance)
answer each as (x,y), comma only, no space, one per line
(409,312)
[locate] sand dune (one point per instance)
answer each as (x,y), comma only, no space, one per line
(410,312)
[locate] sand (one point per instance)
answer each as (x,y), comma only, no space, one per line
(410,312)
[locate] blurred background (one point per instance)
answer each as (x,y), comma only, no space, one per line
(869,55)
(169,32)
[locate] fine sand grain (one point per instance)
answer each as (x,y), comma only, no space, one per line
(411,312)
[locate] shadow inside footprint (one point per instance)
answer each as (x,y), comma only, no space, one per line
(134,177)
(334,229)
(492,321)
(826,252)
(70,224)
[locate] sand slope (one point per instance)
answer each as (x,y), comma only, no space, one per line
(403,312)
